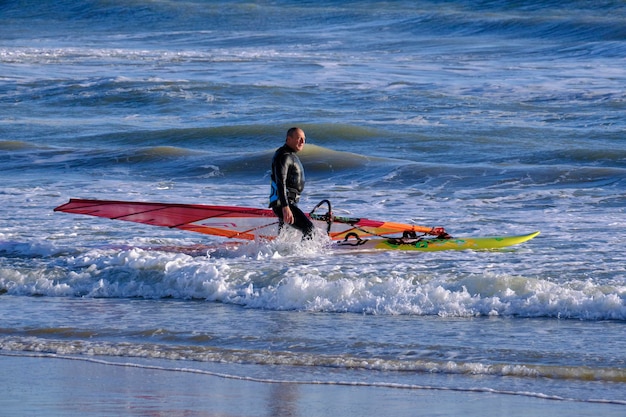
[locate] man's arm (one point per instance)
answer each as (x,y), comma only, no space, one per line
(281,169)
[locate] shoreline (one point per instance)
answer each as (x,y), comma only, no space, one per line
(49,385)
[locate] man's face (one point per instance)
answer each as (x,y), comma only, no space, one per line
(297,140)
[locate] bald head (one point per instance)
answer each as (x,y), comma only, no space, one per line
(295,139)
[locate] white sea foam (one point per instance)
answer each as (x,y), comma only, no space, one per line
(261,276)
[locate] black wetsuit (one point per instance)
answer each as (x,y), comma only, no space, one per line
(287,185)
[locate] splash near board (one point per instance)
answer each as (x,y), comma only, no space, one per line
(247,223)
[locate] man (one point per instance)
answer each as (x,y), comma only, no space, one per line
(288,182)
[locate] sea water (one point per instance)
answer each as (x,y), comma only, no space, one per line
(486,118)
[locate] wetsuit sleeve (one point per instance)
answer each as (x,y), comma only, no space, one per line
(281,170)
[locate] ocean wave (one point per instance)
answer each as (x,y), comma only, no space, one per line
(540,15)
(200,153)
(542,20)
(16,145)
(192,154)
(579,21)
(479,178)
(246,277)
(50,345)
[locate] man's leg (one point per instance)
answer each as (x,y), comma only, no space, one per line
(302,222)
(278,211)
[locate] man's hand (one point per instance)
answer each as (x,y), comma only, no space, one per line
(287,215)
(437,231)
